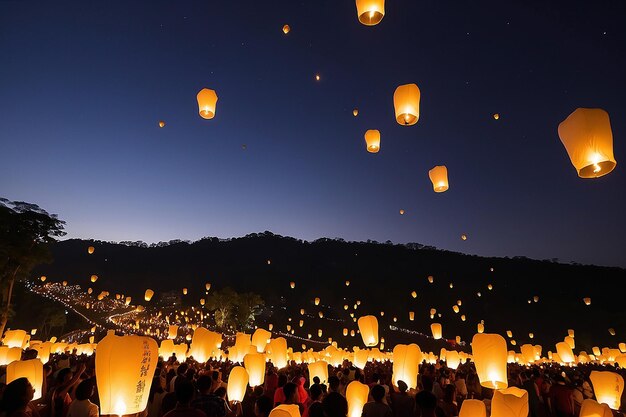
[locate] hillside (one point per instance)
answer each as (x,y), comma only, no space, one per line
(382,277)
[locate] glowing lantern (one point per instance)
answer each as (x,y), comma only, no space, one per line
(621,346)
(587,137)
(90,250)
(127,300)
(292,284)
(412,315)
(43,278)
(356,394)
(570,341)
(148,295)
(509,333)
(401,211)
(65,283)
(278,352)
(489,287)
(202,301)
(15,338)
(31,369)
(207,286)
(439,177)
(94,278)
(414,294)
(319,369)
(510,402)
(89,290)
(347,283)
(596,351)
(473,408)
(368,326)
(172,331)
(185,291)
(406,101)
(370,12)
(496,116)
(463,318)
(406,360)
(490,358)
(317,77)
(372,140)
(455,308)
(431,279)
(536,298)
(587,301)
(608,387)
(612,331)
(125,366)
(161,123)
(591,408)
(204,344)
(319,332)
(237,383)
(286,29)
(453,359)
(435,328)
(207,100)
(355,112)
(255,365)
(321,314)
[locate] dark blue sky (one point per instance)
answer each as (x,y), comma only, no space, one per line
(83,85)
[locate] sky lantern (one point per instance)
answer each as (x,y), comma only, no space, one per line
(510,402)
(347,283)
(355,112)
(496,116)
(591,408)
(172,331)
(406,360)
(435,328)
(536,298)
(414,294)
(587,137)
(292,284)
(372,140)
(125,366)
(319,369)
(455,308)
(411,315)
(91,250)
(317,301)
(439,177)
(489,287)
(31,369)
(161,123)
(490,358)
(278,352)
(480,328)
(319,332)
(207,286)
(431,279)
(286,29)
(64,283)
(43,278)
(570,341)
(260,339)
(94,278)
(509,333)
(368,327)
(127,300)
(473,408)
(9,354)
(611,331)
(204,344)
(587,301)
(608,387)
(15,338)
(202,301)
(463,318)
(255,365)
(207,101)
(185,291)
(370,12)
(356,394)
(148,294)
(237,383)
(453,359)
(570,333)
(401,211)
(406,102)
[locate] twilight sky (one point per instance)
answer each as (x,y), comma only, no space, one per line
(83,85)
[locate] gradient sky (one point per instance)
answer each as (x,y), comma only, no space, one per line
(83,85)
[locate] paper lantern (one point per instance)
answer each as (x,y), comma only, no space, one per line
(608,387)
(319,369)
(202,301)
(185,291)
(127,300)
(286,29)
(319,332)
(237,383)
(355,112)
(64,283)
(587,301)
(591,408)
(431,279)
(406,360)
(360,358)
(570,341)
(285,410)
(317,301)
(414,294)
(453,359)
(207,101)
(406,101)
(439,177)
(587,137)
(473,408)
(480,328)
(15,338)
(43,278)
(278,352)
(172,331)
(612,331)
(372,140)
(356,394)
(510,402)
(91,250)
(455,308)
(148,295)
(463,318)
(125,366)
(94,278)
(370,12)
(31,369)
(368,326)
(412,315)
(204,344)
(490,358)
(435,328)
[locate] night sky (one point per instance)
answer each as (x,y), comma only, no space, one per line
(83,85)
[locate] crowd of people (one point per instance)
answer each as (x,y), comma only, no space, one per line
(200,390)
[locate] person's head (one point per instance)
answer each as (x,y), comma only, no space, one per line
(289,389)
(182,368)
(184,392)
(204,384)
(375,377)
(335,405)
(402,386)
(84,390)
(316,379)
(427,383)
(315,391)
(426,402)
(17,395)
(262,406)
(333,383)
(378,393)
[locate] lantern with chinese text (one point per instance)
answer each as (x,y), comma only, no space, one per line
(608,387)
(591,408)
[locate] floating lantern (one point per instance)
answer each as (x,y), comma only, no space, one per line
(480,328)
(509,333)
(453,358)
(319,369)
(278,352)
(43,278)
(207,286)
(570,341)
(94,278)
(406,102)
(317,301)
(587,137)
(455,308)
(286,29)
(490,358)
(463,318)
(591,408)
(91,250)
(406,360)
(161,123)
(431,279)
(347,283)
(612,331)
(64,283)
(260,339)
(473,408)
(172,331)
(435,328)
(496,116)
(439,177)
(292,284)
(185,291)
(317,77)
(510,402)
(368,327)
(205,344)
(15,338)
(355,112)
(370,12)
(255,365)
(356,394)
(401,211)
(608,387)
(125,366)
(587,301)
(148,295)
(414,294)
(207,100)
(237,383)
(372,140)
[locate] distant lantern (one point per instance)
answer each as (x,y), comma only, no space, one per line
(207,286)
(414,294)
(496,116)
(490,287)
(435,328)
(510,402)
(608,387)
(570,341)
(94,278)
(356,395)
(536,298)
(317,301)
(255,365)
(463,237)
(321,314)
(125,366)
(207,100)
(286,29)
(317,77)
(463,318)
(127,300)
(406,101)
(473,408)
(509,333)
(43,278)
(433,311)
(292,284)
(368,327)
(161,123)
(345,331)
(587,137)
(370,12)
(148,294)
(31,369)
(455,308)
(237,383)
(431,279)
(91,250)
(439,177)
(612,331)
(591,408)
(347,283)
(319,332)
(372,140)
(412,315)
(565,352)
(202,301)
(587,301)
(531,335)
(184,291)
(401,211)
(570,333)
(490,358)
(406,361)
(64,283)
